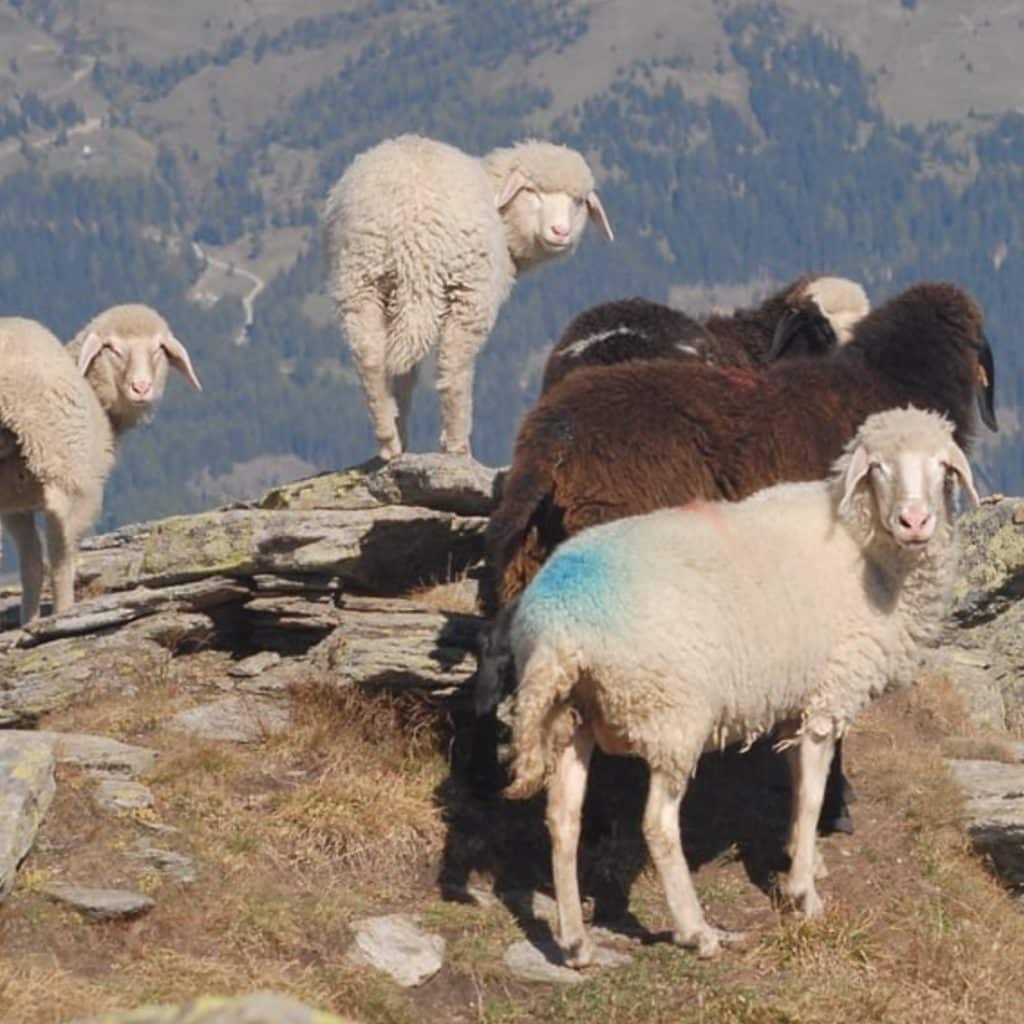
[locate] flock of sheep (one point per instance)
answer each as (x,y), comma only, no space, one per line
(711,531)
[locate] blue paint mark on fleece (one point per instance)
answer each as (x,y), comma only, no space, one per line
(577,580)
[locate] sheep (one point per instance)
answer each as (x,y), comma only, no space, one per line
(62,412)
(422,245)
(623,440)
(678,631)
(810,316)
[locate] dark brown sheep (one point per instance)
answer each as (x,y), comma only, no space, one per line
(616,441)
(629,329)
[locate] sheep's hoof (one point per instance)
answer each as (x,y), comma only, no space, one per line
(390,449)
(801,900)
(706,942)
(579,953)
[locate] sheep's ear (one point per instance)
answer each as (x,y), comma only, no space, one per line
(91,348)
(177,354)
(598,216)
(957,462)
(856,470)
(513,185)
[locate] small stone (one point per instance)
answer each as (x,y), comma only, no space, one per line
(543,962)
(255,664)
(98,904)
(122,796)
(1018,514)
(180,867)
(397,945)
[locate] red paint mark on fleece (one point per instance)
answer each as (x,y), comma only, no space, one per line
(739,377)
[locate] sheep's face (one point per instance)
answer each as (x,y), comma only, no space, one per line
(542,225)
(128,368)
(909,471)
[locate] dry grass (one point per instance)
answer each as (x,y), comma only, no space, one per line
(347,815)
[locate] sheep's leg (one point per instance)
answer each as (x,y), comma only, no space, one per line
(22,528)
(809,762)
(566,790)
(66,521)
(367,333)
(404,384)
(455,356)
(661,830)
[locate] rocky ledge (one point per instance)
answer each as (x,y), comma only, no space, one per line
(368,577)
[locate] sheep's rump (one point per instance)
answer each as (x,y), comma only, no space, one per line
(45,403)
(412,227)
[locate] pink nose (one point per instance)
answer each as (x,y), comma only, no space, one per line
(141,388)
(560,230)
(915,520)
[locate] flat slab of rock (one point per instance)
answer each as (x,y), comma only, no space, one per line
(259,1008)
(397,644)
(381,550)
(26,789)
(445,483)
(98,904)
(398,946)
(99,754)
(123,796)
(177,865)
(995,814)
(543,963)
(237,719)
(254,665)
(117,609)
(53,675)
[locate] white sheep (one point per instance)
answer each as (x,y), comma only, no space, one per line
(62,411)
(423,244)
(667,634)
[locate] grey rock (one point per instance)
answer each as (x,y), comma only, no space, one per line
(179,866)
(123,796)
(259,1008)
(26,789)
(110,610)
(991,571)
(238,719)
(447,483)
(98,754)
(397,644)
(397,945)
(383,550)
(543,962)
(98,904)
(248,668)
(53,675)
(995,814)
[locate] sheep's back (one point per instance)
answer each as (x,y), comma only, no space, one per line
(412,207)
(62,432)
(712,614)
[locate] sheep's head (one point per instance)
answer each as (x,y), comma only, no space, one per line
(544,194)
(897,478)
(820,314)
(124,353)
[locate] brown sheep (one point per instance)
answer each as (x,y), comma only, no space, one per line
(627,329)
(625,440)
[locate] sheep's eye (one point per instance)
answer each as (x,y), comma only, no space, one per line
(578,201)
(115,352)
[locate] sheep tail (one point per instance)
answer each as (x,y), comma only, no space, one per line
(521,533)
(544,720)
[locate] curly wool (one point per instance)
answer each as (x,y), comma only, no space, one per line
(63,435)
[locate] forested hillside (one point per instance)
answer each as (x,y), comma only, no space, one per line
(781,161)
